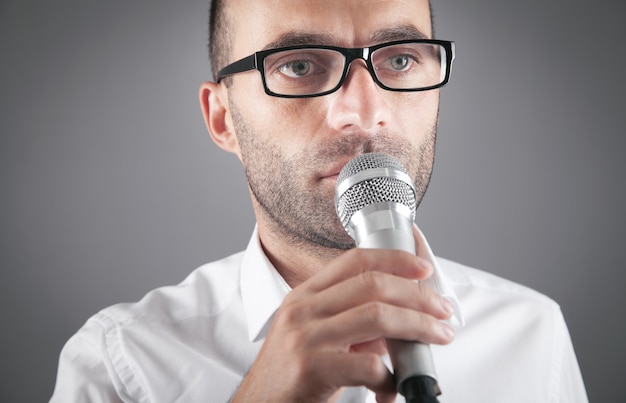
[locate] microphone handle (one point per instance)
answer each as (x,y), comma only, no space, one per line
(382,227)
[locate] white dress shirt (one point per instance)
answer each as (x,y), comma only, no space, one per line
(194,342)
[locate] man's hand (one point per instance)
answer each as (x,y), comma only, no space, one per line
(330,330)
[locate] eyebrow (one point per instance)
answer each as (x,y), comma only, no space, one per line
(397,34)
(298,38)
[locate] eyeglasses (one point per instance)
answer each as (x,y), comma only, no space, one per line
(316,70)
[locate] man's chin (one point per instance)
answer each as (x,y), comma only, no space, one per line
(341,242)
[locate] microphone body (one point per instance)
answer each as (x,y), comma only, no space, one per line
(376,202)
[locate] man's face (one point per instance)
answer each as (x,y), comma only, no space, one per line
(293,149)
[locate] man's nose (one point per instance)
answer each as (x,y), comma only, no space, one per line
(359,104)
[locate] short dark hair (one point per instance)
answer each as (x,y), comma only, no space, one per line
(220,35)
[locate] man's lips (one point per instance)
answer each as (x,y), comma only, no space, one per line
(334,171)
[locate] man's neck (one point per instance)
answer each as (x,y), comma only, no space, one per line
(295,260)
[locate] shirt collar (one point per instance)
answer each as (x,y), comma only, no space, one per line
(263,288)
(438,281)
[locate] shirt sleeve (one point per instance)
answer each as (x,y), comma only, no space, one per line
(568,384)
(82,374)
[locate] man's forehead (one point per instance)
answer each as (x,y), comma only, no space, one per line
(262,24)
(300,37)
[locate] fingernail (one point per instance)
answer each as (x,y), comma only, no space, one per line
(428,266)
(447,331)
(447,306)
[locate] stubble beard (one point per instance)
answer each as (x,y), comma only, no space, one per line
(300,211)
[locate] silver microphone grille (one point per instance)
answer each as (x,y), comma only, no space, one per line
(371,179)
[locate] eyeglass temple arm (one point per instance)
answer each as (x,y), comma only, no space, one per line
(453,50)
(245,64)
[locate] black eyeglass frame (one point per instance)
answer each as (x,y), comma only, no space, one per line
(255,62)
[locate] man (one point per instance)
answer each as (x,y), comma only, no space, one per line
(302,315)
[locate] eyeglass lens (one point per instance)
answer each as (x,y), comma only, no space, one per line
(406,66)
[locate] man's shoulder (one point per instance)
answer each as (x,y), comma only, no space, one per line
(468,280)
(513,335)
(130,348)
(205,292)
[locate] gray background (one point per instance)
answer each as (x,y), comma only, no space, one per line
(110,185)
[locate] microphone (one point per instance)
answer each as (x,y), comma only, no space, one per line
(375,200)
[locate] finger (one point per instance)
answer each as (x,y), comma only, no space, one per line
(385,397)
(357,261)
(351,369)
(376,320)
(378,347)
(378,286)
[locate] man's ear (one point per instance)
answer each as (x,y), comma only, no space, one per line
(216,112)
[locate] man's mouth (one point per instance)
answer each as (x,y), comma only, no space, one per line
(333,172)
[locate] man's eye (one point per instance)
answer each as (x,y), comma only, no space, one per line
(296,68)
(400,62)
